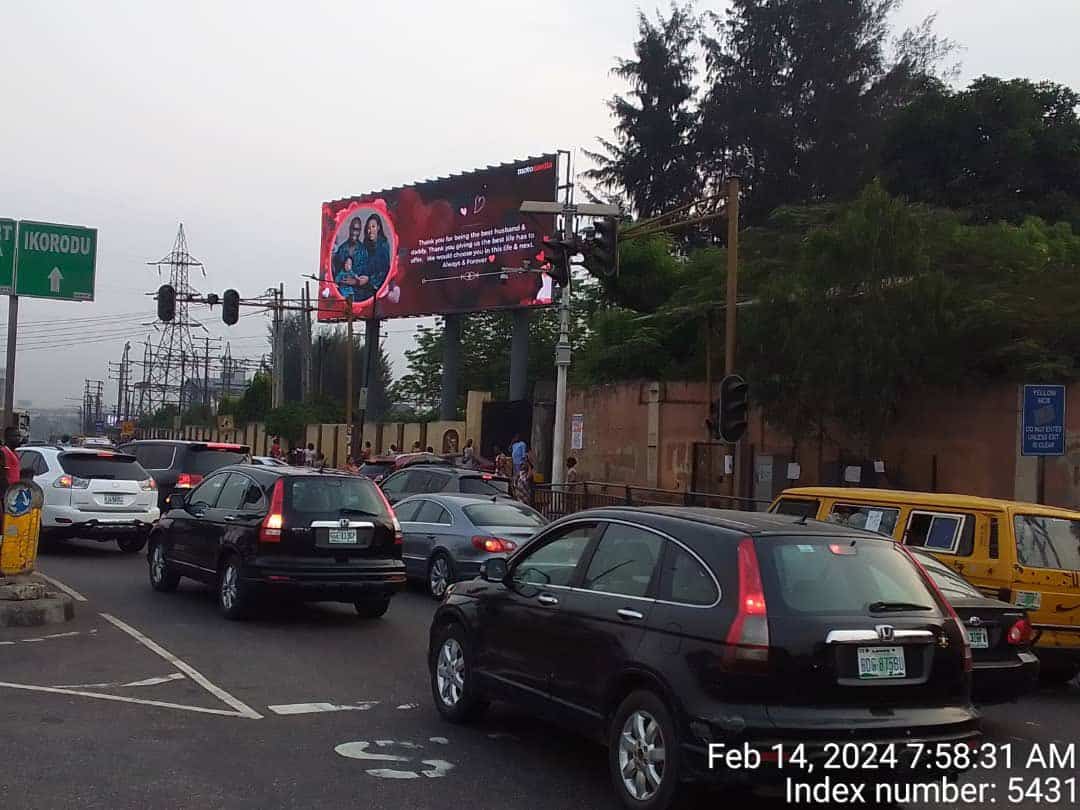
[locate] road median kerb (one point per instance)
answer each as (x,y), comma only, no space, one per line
(29,602)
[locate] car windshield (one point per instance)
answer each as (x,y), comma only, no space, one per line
(484,485)
(110,466)
(948,581)
(334,494)
(841,575)
(503,514)
(205,461)
(1047,542)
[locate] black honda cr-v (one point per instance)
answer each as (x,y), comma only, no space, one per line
(667,632)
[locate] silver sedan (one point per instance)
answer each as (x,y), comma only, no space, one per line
(448,536)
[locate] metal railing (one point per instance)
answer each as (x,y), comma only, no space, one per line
(556,500)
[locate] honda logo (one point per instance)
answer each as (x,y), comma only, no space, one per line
(884,632)
(975,621)
(344,523)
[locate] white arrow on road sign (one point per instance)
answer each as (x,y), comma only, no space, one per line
(55,277)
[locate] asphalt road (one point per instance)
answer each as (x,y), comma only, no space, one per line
(158,702)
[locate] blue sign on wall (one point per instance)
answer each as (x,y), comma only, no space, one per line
(1044,421)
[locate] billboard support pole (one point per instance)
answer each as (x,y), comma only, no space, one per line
(350,392)
(9,381)
(371,343)
(451,367)
(519,356)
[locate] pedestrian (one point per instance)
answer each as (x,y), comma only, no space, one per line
(275,448)
(430,449)
(518,451)
(309,455)
(573,475)
(365,454)
(350,466)
(12,473)
(393,449)
(523,483)
(416,447)
(468,455)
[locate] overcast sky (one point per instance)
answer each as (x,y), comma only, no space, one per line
(239,119)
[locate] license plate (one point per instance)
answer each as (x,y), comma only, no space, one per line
(114,500)
(1032,600)
(881,662)
(341,536)
(978,637)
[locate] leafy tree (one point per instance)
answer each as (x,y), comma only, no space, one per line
(651,161)
(797,93)
(1000,149)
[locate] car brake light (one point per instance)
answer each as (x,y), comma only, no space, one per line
(748,638)
(149,483)
(223,446)
(487,476)
(188,480)
(942,601)
(494,545)
(71,482)
(399,537)
(274,522)
(1020,633)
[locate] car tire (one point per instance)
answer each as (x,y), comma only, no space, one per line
(452,684)
(440,574)
(643,752)
(372,608)
(162,576)
(131,545)
(233,595)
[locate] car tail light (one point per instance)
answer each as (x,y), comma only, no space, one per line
(224,446)
(148,484)
(1021,633)
(188,480)
(399,537)
(495,545)
(946,605)
(748,638)
(274,522)
(71,482)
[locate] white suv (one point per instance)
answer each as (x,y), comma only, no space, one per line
(94,494)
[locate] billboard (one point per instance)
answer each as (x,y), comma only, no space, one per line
(456,244)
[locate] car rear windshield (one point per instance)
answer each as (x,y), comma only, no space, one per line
(1047,542)
(478,485)
(376,469)
(333,495)
(948,581)
(843,575)
(155,456)
(204,461)
(503,514)
(111,466)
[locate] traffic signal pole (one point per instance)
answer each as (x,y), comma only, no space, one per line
(9,381)
(562,368)
(730,305)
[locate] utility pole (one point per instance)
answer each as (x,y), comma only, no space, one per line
(305,347)
(731,305)
(350,393)
(206,375)
(277,359)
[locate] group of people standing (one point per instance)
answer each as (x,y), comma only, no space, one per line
(362,262)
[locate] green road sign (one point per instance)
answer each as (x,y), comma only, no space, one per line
(56,261)
(7,255)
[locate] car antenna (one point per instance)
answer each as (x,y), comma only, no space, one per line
(801,521)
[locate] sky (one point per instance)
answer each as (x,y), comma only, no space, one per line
(239,119)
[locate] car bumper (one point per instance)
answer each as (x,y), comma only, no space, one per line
(1000,681)
(912,735)
(70,522)
(327,583)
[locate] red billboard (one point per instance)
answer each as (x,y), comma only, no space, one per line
(456,244)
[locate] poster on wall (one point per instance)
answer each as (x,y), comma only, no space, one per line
(577,431)
(456,244)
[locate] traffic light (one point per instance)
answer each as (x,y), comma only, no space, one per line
(230,307)
(602,250)
(554,259)
(734,407)
(166,302)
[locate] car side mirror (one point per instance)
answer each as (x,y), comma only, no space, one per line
(494,570)
(176,500)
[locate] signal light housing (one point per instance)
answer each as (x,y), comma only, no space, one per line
(230,307)
(166,302)
(734,408)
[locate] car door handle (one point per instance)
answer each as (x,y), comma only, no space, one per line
(545,599)
(230,517)
(429,536)
(198,514)
(630,615)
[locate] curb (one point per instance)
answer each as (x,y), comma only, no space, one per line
(50,608)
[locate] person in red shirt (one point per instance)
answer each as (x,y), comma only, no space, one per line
(275,448)
(12,439)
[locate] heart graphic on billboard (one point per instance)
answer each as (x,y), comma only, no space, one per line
(491,258)
(479,203)
(464,211)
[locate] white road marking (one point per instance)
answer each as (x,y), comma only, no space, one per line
(242,709)
(359,750)
(176,676)
(314,708)
(120,699)
(439,740)
(62,635)
(30,640)
(74,594)
(407,706)
(5,643)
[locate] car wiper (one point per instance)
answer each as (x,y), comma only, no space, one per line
(348,510)
(885,607)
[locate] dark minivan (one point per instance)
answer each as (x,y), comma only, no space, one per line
(427,479)
(660,631)
(176,464)
(250,530)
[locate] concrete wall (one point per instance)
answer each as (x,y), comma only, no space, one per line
(643,433)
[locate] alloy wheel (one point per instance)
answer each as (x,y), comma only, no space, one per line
(157,564)
(229,587)
(439,577)
(641,755)
(450,672)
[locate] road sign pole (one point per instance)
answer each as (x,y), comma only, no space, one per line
(9,382)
